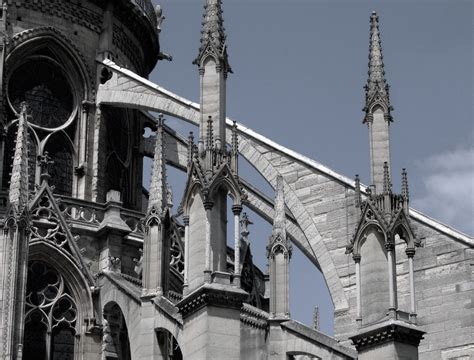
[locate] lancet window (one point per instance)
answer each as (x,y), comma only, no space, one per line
(50,315)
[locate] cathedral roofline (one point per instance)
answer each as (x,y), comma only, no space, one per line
(189,112)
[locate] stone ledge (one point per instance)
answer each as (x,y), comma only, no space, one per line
(387,331)
(318,337)
(212,295)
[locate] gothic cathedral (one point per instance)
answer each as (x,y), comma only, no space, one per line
(95,267)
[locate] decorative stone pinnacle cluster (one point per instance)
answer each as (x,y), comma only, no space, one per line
(213,37)
(376,89)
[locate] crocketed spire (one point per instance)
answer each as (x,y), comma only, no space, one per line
(377,89)
(158,187)
(213,37)
(18,193)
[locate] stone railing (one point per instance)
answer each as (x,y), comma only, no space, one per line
(134,220)
(81,211)
(88,214)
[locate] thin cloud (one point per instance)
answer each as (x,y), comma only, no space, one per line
(449,188)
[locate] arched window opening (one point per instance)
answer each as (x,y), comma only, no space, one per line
(115,342)
(61,170)
(50,315)
(41,82)
(169,347)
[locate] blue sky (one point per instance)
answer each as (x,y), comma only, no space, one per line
(299,68)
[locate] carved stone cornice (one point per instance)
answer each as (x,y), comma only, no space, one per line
(212,295)
(254,317)
(385,333)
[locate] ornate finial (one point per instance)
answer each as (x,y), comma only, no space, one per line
(213,37)
(316,318)
(235,138)
(190,149)
(405,193)
(376,90)
(387,185)
(18,192)
(158,188)
(209,140)
(279,221)
(358,199)
(45,162)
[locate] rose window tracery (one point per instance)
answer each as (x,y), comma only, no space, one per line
(43,86)
(47,82)
(50,315)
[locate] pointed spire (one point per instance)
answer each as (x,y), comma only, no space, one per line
(190,149)
(235,138)
(405,193)
(387,185)
(376,90)
(18,193)
(213,37)
(158,188)
(234,156)
(358,198)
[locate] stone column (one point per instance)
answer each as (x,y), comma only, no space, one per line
(391,279)
(237,209)
(411,253)
(356,258)
(96,154)
(81,166)
(13,272)
(186,252)
(3,136)
(207,268)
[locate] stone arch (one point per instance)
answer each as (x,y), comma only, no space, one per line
(296,346)
(115,339)
(129,307)
(40,36)
(63,153)
(168,345)
(80,288)
(77,284)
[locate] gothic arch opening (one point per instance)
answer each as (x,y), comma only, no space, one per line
(168,345)
(115,341)
(51,315)
(44,71)
(59,148)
